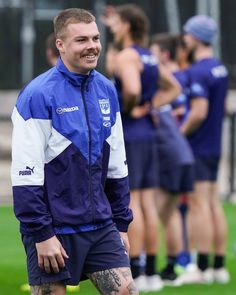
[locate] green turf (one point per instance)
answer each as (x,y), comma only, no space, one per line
(13,272)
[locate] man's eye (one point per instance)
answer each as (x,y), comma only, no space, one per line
(97,38)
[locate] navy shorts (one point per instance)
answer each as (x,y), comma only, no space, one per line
(142,159)
(173,147)
(206,168)
(88,252)
(176,159)
(179,179)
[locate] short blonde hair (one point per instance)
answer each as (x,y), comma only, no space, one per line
(71,16)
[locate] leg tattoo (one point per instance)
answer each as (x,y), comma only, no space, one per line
(114,281)
(45,289)
(48,289)
(132,289)
(106,281)
(125,273)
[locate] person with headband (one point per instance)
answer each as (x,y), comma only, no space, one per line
(208,84)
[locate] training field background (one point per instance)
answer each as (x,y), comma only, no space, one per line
(13,269)
(24,25)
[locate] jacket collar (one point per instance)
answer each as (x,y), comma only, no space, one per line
(74,78)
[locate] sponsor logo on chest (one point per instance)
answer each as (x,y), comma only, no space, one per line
(62,110)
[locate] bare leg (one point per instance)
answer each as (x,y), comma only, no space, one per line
(190,228)
(117,281)
(48,289)
(173,234)
(170,217)
(219,222)
(136,228)
(200,216)
(150,220)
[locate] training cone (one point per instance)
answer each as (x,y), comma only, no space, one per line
(72,288)
(26,288)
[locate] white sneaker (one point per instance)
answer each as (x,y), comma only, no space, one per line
(141,283)
(221,275)
(190,277)
(208,276)
(154,283)
(196,276)
(191,267)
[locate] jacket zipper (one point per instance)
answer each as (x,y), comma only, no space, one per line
(90,144)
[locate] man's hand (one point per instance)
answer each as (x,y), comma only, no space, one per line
(125,239)
(140,111)
(51,255)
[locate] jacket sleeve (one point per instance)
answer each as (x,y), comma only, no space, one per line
(31,130)
(117,185)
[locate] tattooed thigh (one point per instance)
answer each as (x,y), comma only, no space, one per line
(129,282)
(48,289)
(114,281)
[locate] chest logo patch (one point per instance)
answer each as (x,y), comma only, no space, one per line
(104,106)
(62,110)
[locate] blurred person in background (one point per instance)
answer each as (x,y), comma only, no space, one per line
(52,52)
(138,78)
(172,53)
(208,79)
(69,170)
(175,157)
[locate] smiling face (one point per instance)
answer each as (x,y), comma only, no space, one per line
(80,47)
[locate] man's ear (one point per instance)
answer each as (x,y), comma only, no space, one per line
(60,45)
(127,26)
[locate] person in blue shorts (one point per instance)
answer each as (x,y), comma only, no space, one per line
(69,169)
(137,77)
(208,80)
(175,157)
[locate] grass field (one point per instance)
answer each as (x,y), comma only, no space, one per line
(13,272)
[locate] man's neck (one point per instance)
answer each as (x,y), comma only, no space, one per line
(203,51)
(127,42)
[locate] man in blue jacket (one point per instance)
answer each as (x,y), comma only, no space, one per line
(69,170)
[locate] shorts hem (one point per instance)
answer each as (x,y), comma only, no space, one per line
(106,268)
(177,191)
(45,280)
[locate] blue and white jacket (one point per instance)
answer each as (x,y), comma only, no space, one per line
(69,170)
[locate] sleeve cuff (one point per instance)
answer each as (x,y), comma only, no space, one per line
(122,225)
(44,234)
